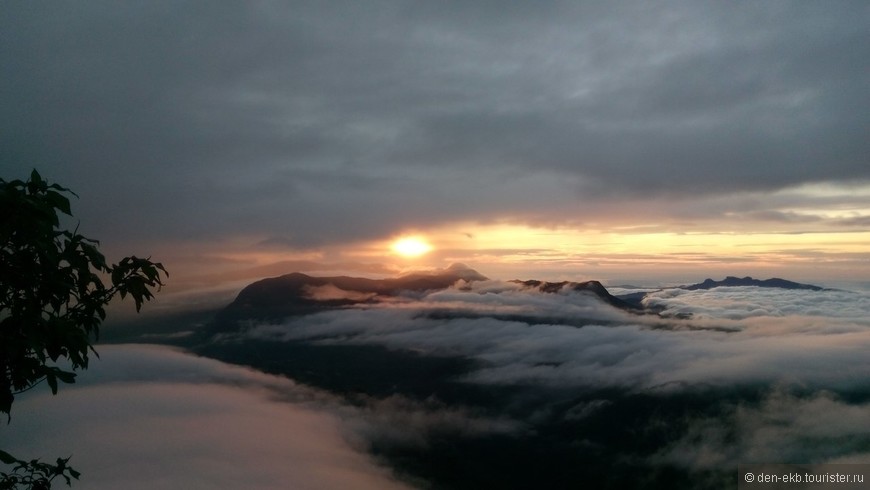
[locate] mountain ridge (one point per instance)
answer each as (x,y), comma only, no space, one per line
(592,287)
(636,298)
(275,298)
(294,294)
(733,281)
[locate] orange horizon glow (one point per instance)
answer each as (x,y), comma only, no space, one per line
(509,251)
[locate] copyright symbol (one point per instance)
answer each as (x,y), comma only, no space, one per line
(749,477)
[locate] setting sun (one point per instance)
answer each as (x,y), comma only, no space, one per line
(411,247)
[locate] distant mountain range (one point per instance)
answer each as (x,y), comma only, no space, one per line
(296,294)
(299,294)
(732,281)
(636,299)
(592,287)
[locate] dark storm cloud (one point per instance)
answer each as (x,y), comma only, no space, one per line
(322,122)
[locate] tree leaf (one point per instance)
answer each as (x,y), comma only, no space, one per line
(52,382)
(59,202)
(66,376)
(7,458)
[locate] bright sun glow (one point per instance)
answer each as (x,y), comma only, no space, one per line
(411,247)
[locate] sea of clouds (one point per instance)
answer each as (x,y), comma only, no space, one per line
(814,343)
(153,417)
(719,336)
(157,417)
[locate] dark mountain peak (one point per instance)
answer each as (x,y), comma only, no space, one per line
(458,266)
(452,273)
(274,298)
(462,271)
(593,287)
(544,287)
(636,299)
(733,281)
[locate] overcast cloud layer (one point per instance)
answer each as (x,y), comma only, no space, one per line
(323,122)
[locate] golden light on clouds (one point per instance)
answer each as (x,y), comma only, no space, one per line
(411,246)
(507,250)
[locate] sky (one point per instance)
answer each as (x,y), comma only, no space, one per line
(658,142)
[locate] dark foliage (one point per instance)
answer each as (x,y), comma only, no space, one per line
(52,302)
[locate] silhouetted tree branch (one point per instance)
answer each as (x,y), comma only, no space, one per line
(52,302)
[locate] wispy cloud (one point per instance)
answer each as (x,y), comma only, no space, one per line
(782,428)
